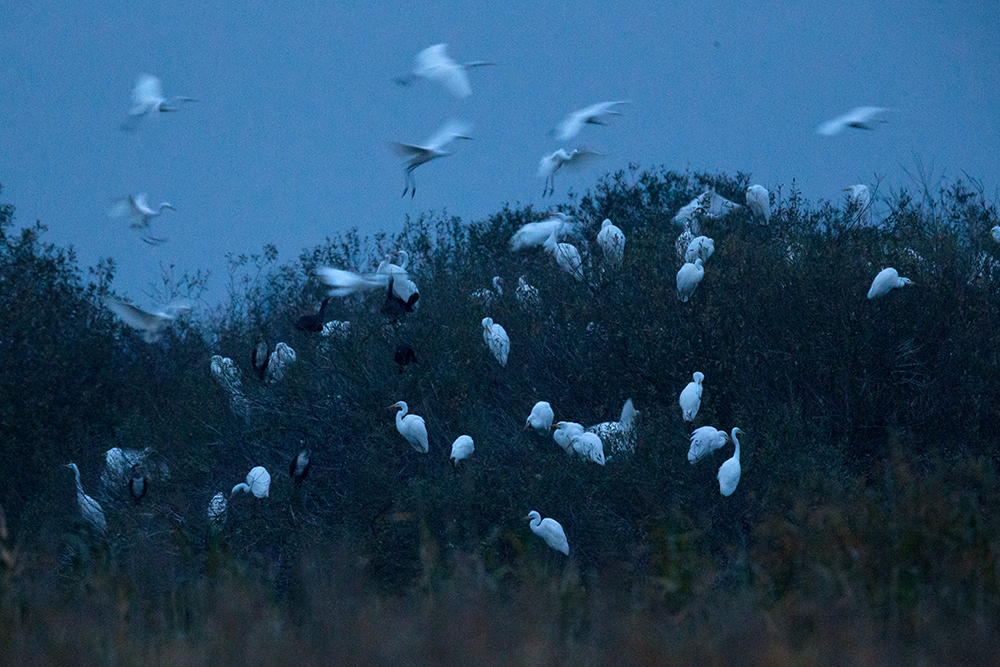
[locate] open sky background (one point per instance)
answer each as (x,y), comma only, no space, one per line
(290,140)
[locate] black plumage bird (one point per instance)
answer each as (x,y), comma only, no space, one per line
(138,484)
(404,356)
(259,358)
(298,469)
(314,321)
(394,306)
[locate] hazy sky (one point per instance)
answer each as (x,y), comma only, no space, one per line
(289,141)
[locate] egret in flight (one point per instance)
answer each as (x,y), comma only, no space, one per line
(690,399)
(258,483)
(885,281)
(553,162)
(540,418)
(759,201)
(688,278)
(496,339)
(434,64)
(90,509)
(140,213)
(536,233)
(432,149)
(729,471)
(462,448)
(150,324)
(549,530)
(595,114)
(147,98)
(612,241)
(411,427)
(704,441)
(861,118)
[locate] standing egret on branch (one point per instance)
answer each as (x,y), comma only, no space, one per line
(885,281)
(549,530)
(566,256)
(700,247)
(759,201)
(462,448)
(859,202)
(496,339)
(612,241)
(258,483)
(688,278)
(137,208)
(540,418)
(595,114)
(553,162)
(690,399)
(861,118)
(90,509)
(729,471)
(704,441)
(432,149)
(411,427)
(434,64)
(564,434)
(147,98)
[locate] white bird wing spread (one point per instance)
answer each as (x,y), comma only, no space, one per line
(135,317)
(147,91)
(573,123)
(450,131)
(344,283)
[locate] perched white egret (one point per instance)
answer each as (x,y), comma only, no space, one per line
(759,201)
(434,64)
(150,324)
(536,233)
(339,329)
(411,427)
(589,445)
(279,360)
(403,288)
(566,256)
(540,418)
(217,510)
(859,201)
(432,149)
(709,205)
(553,162)
(549,530)
(704,441)
(527,296)
(258,483)
(139,212)
(612,241)
(90,509)
(298,467)
(995,232)
(147,98)
(729,471)
(885,281)
(564,434)
(462,448)
(620,435)
(496,339)
(690,399)
(486,296)
(700,247)
(861,118)
(595,114)
(688,278)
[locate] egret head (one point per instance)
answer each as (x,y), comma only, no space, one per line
(399,405)
(699,377)
(487,322)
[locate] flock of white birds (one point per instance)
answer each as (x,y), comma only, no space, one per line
(433,64)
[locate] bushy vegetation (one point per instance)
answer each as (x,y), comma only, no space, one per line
(864,525)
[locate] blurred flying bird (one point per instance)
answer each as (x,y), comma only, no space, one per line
(147,98)
(150,324)
(553,162)
(862,118)
(434,64)
(432,149)
(139,212)
(536,233)
(595,114)
(549,530)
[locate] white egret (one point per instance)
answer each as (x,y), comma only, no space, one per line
(432,149)
(226,373)
(700,247)
(553,162)
(486,296)
(279,359)
(589,445)
(861,118)
(90,509)
(339,329)
(729,471)
(399,280)
(462,448)
(619,435)
(527,296)
(759,201)
(496,339)
(704,441)
(411,427)
(540,418)
(147,98)
(536,233)
(313,322)
(138,484)
(688,278)
(566,256)
(564,434)
(298,467)
(150,324)
(612,241)
(709,205)
(217,510)
(885,281)
(859,202)
(690,399)
(549,530)
(139,212)
(434,64)
(595,114)
(995,232)
(258,483)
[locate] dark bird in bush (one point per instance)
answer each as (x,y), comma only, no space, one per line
(259,358)
(396,307)
(314,321)
(404,356)
(298,469)
(138,484)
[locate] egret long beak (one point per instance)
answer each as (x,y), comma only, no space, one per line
(390,407)
(527,517)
